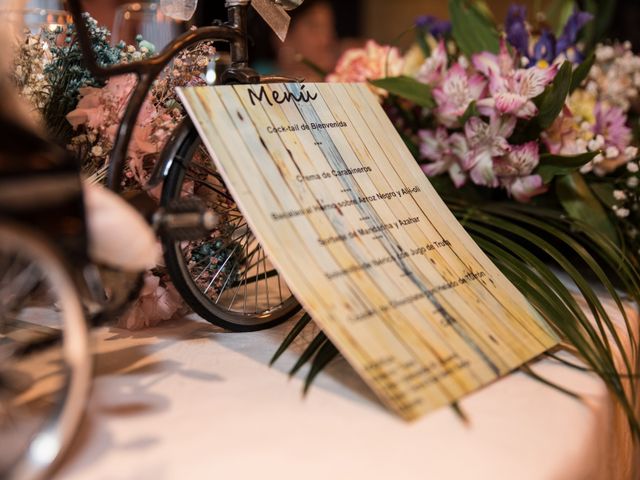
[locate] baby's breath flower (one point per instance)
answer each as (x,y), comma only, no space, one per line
(97,151)
(631,152)
(619,195)
(612,152)
(622,212)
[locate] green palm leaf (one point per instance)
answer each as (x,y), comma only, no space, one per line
(532,245)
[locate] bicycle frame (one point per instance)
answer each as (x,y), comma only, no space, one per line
(234,32)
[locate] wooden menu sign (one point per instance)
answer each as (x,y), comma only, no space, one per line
(364,241)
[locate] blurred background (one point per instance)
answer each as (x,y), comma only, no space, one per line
(322,29)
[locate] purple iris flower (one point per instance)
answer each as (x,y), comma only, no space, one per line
(547,47)
(516,29)
(436,27)
(569,36)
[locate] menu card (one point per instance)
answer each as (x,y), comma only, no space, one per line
(364,241)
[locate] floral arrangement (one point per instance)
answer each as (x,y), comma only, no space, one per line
(529,137)
(514,110)
(84,113)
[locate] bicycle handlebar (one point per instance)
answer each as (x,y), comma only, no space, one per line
(234,32)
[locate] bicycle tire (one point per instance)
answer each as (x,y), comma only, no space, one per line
(43,341)
(186,144)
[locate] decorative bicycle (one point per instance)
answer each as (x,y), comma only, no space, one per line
(45,361)
(49,285)
(224,275)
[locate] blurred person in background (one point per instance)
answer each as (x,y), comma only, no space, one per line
(313,38)
(320,30)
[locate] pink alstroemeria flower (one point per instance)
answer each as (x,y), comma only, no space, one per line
(455,93)
(495,67)
(486,141)
(445,153)
(563,136)
(433,69)
(511,89)
(514,171)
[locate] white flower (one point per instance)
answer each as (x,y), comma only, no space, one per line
(604,53)
(619,195)
(96,151)
(595,144)
(622,212)
(632,182)
(612,152)
(586,168)
(631,152)
(633,167)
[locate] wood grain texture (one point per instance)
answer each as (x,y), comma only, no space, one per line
(364,241)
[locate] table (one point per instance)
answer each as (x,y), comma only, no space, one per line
(188,401)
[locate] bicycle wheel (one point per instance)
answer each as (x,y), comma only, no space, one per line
(45,363)
(226,277)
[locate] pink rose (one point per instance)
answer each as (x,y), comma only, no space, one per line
(369,63)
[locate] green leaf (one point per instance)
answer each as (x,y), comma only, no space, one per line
(581,72)
(292,335)
(472,31)
(604,192)
(321,72)
(421,40)
(596,344)
(553,98)
(407,87)
(411,145)
(557,165)
(527,370)
(605,326)
(312,348)
(327,353)
(558,12)
(471,111)
(580,203)
(603,13)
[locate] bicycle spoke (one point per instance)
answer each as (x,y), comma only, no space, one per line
(220,269)
(223,266)
(229,277)
(266,279)
(213,254)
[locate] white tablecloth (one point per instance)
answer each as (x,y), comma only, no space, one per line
(187,401)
